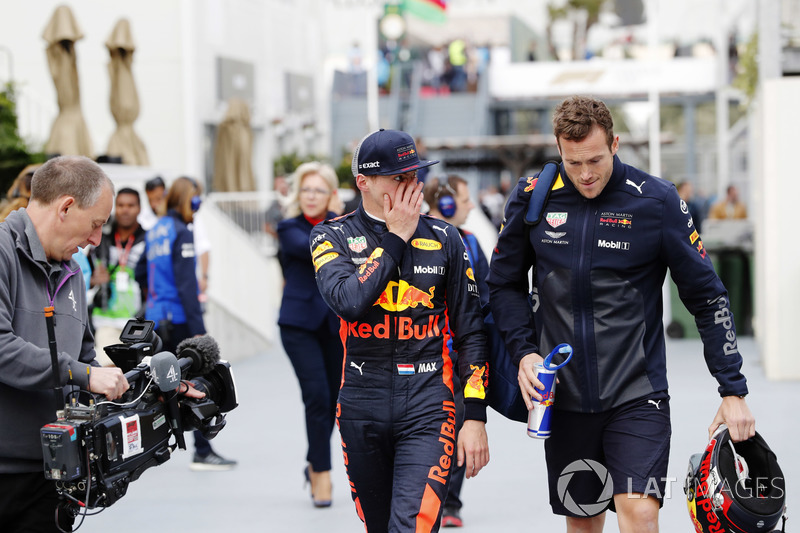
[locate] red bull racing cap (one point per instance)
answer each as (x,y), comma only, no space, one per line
(386,153)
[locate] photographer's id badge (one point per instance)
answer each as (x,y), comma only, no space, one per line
(122,280)
(131,436)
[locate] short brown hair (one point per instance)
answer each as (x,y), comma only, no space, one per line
(69,175)
(180,196)
(441,186)
(575,117)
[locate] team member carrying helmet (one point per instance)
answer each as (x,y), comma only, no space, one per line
(600,256)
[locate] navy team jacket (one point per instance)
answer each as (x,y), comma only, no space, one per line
(599,268)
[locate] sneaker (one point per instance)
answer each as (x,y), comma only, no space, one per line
(451,517)
(212,461)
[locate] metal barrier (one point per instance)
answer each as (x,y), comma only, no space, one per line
(248,211)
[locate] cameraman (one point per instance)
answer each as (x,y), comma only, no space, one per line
(71,199)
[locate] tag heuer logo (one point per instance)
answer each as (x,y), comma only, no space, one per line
(556,219)
(357,244)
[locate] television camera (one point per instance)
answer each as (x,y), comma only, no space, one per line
(95,449)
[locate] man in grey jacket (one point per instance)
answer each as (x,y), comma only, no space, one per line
(71,199)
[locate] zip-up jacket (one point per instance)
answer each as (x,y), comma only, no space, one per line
(599,268)
(29,283)
(169,274)
(394,298)
(302,305)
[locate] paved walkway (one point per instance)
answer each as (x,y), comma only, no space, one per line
(265,492)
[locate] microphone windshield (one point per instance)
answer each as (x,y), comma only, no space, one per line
(166,371)
(204,352)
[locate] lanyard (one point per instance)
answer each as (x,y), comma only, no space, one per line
(123,253)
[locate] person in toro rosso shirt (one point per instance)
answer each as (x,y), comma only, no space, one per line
(600,255)
(395,278)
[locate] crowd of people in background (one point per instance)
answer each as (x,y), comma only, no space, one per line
(729,207)
(454,67)
(122,283)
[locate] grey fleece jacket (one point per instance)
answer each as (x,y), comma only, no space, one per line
(29,283)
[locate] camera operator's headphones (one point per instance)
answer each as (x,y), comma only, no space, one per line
(445,199)
(196,199)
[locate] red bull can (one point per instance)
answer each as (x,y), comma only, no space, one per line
(539,417)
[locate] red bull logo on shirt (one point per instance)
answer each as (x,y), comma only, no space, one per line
(476,384)
(695,238)
(399,296)
(404,327)
(370,265)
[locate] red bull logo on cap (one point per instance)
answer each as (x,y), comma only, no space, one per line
(399,296)
(406,152)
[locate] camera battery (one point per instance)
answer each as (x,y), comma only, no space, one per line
(61,448)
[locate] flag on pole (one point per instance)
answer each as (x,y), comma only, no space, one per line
(428,10)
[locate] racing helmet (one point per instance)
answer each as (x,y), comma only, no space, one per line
(735,488)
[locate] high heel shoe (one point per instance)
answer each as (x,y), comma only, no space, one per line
(317,503)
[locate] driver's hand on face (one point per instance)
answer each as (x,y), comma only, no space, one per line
(401,211)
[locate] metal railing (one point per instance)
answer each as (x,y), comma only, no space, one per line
(248,211)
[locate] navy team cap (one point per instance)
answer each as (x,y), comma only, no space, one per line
(386,153)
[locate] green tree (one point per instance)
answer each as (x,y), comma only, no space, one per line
(14,152)
(585,11)
(285,164)
(746,79)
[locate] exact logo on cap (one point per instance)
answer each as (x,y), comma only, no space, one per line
(371,164)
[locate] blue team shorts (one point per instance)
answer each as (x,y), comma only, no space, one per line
(593,456)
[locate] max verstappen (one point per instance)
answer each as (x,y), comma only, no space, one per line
(396,279)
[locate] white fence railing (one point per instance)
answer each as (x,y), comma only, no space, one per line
(248,212)
(245,281)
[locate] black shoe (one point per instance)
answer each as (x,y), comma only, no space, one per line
(451,517)
(212,461)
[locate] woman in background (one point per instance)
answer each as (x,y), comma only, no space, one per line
(19,193)
(172,289)
(309,329)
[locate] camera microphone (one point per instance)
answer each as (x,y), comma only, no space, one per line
(203,352)
(166,373)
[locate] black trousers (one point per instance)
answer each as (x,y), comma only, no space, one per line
(28,504)
(178,333)
(317,360)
